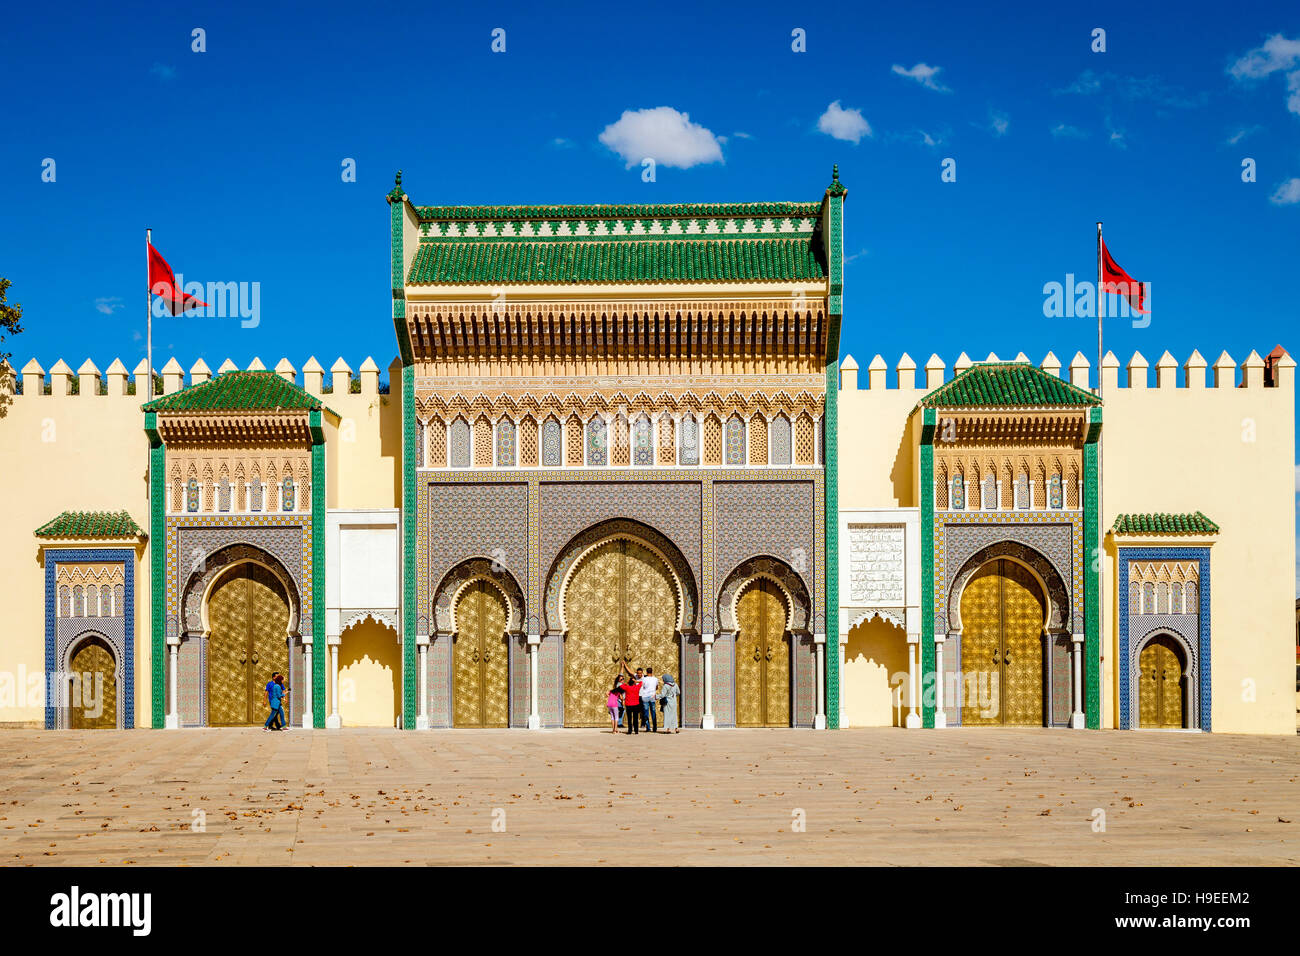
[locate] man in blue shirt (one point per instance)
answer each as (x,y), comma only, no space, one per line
(274,694)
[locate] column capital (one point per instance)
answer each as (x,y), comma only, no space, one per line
(914,637)
(820,639)
(306,639)
(534,638)
(422,640)
(707,639)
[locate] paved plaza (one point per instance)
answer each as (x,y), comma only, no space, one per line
(877,797)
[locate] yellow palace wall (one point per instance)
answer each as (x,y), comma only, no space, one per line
(88,452)
(1226,451)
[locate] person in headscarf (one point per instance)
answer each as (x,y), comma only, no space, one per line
(669,691)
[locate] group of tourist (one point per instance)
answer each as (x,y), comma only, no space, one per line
(635,698)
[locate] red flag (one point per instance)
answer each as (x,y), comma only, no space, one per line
(1116,280)
(162,283)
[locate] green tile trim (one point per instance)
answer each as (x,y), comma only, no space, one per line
(705,260)
(603,211)
(1007,385)
(831,459)
(157,572)
(926,494)
(1092,576)
(409,677)
(238,391)
(319,645)
(1164,523)
(91,524)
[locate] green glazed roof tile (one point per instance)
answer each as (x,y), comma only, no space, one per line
(238,391)
(801,210)
(1164,523)
(993,384)
(91,524)
(613,261)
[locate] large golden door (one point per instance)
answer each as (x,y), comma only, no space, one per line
(762,658)
(1002,614)
(249,616)
(1160,684)
(620,607)
(480,659)
(93,704)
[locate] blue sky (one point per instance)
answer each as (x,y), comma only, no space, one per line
(234,156)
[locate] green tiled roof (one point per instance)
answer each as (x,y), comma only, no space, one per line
(238,391)
(1195,523)
(1006,384)
(614,261)
(91,524)
(802,210)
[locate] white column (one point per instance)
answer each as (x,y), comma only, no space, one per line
(422,705)
(1077,719)
(309,685)
(707,722)
(333,720)
(534,647)
(940,718)
(913,678)
(843,652)
(173,711)
(819,720)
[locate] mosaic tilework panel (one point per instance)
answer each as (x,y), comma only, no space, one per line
(439,705)
(299,684)
(670,507)
(764,517)
(1133,627)
(189,683)
(952,689)
(53,646)
(959,537)
(691,705)
(550,667)
(518,681)
(804,664)
(189,545)
(488,520)
(1062,679)
(724,680)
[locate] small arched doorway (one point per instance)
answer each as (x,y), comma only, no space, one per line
(248,618)
(1161,675)
(762,657)
(92,679)
(480,658)
(621,607)
(1003,612)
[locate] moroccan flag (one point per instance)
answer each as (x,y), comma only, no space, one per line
(162,283)
(1116,280)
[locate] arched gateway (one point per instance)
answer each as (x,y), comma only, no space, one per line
(248,619)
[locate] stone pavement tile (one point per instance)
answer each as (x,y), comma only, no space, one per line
(882,797)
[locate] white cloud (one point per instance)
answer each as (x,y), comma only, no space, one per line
(561,143)
(999,123)
(924,74)
(740,135)
(1278,54)
(109,304)
(664,135)
(844,124)
(1116,136)
(1065,131)
(1241,134)
(863,252)
(1287,194)
(1297,480)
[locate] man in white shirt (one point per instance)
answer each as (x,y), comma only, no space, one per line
(649,691)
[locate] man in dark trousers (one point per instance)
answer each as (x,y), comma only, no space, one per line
(631,702)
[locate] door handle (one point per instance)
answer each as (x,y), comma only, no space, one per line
(758,655)
(243,660)
(475,657)
(995,657)
(769,652)
(256,661)
(487,656)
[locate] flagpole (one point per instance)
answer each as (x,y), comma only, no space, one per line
(1102,616)
(148,312)
(1100,310)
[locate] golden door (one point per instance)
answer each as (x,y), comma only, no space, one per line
(249,617)
(1002,613)
(93,705)
(620,607)
(762,658)
(1160,687)
(480,659)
